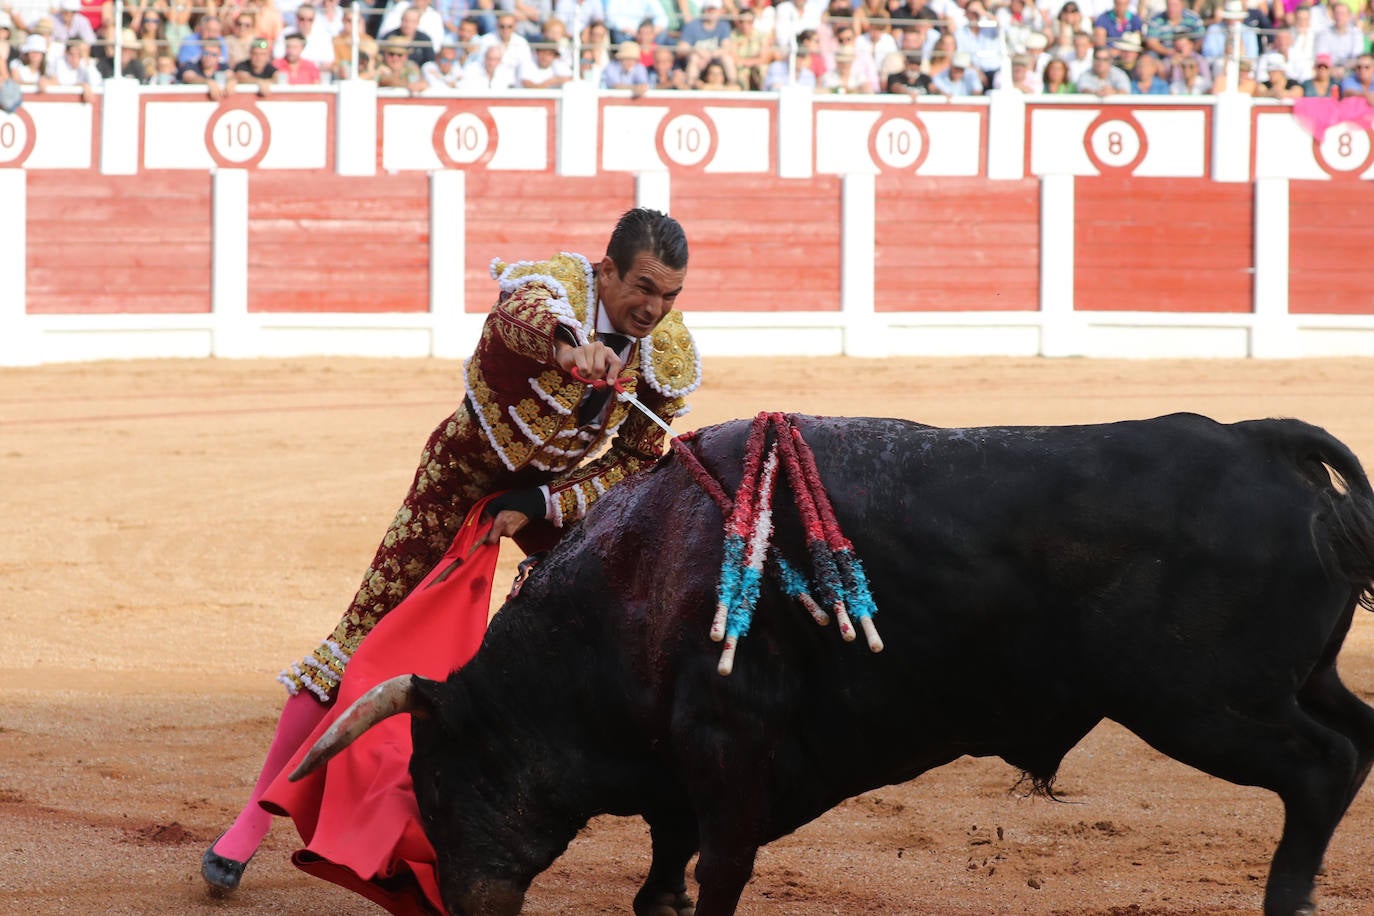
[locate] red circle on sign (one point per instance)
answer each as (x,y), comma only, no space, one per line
(441,127)
(920,129)
(30,138)
(1342,174)
(229,107)
(661,137)
(1106,117)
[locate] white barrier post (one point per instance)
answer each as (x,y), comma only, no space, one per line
(578,128)
(16,348)
(448,263)
(1272,335)
(858,251)
(355,128)
(653,190)
(229,262)
(1060,328)
(795,131)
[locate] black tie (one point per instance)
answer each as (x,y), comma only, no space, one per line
(596,398)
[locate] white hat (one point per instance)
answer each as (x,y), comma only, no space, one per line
(960,60)
(5,21)
(34,43)
(1036,41)
(71,6)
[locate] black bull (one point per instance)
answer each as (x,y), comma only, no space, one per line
(1190,580)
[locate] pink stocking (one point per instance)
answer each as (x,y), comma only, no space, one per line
(299,717)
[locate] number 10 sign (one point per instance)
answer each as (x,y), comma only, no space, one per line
(237,135)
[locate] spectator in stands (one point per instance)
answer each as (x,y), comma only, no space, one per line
(779,74)
(959,79)
(446,70)
(624,16)
(556,34)
(8,51)
(1020,19)
(1126,50)
(1071,18)
(1360,82)
(876,42)
(530,16)
(270,22)
(257,70)
(981,42)
(1185,48)
(150,41)
(713,79)
(1190,77)
(1146,79)
(454,12)
(343,42)
(408,33)
(319,43)
(69,23)
(1278,86)
(331,14)
(665,74)
(164,71)
(1304,48)
(919,36)
(1104,78)
(599,40)
(1321,85)
(844,79)
(910,79)
(208,71)
(625,71)
(490,71)
(862,73)
(398,70)
(1245,85)
(1116,22)
(1056,78)
(546,71)
(1276,58)
(1175,20)
(209,31)
(705,39)
(753,50)
(515,49)
(130,64)
(1343,40)
(239,42)
(589,69)
(31,69)
(428,22)
(292,68)
(1023,76)
(1080,59)
(577,15)
(1216,40)
(647,39)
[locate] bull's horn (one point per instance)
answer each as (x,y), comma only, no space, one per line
(381,702)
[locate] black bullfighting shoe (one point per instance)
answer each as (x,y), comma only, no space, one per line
(223,875)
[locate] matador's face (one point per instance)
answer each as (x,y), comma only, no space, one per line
(637,302)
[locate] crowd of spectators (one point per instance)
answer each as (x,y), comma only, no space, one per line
(1283,48)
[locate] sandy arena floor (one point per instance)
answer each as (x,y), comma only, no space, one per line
(174,532)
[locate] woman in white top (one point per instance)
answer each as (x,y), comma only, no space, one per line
(30,69)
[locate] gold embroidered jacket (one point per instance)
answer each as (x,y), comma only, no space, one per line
(527,406)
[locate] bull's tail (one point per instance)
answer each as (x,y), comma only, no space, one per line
(1343,525)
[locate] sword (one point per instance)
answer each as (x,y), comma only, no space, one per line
(620,392)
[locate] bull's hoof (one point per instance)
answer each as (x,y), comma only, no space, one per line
(667,904)
(220,873)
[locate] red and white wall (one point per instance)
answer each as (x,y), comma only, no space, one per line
(352,221)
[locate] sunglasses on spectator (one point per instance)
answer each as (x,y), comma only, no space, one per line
(310,18)
(395,54)
(1364,66)
(1323,66)
(244,23)
(1102,57)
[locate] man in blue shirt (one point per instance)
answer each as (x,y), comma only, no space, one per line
(1116,22)
(625,71)
(960,79)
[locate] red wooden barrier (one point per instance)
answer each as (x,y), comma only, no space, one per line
(1331,241)
(105,244)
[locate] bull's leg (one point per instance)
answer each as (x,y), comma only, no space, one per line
(665,888)
(1310,766)
(1330,701)
(722,872)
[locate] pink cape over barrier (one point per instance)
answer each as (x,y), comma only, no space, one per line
(1319,115)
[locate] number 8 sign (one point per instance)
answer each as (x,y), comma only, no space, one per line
(16,138)
(1346,150)
(238,135)
(1115,142)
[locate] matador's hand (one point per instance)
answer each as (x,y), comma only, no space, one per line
(594,360)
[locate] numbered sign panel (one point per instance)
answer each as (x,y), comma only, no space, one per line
(687,141)
(1345,151)
(16,138)
(237,135)
(1115,142)
(465,138)
(899,144)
